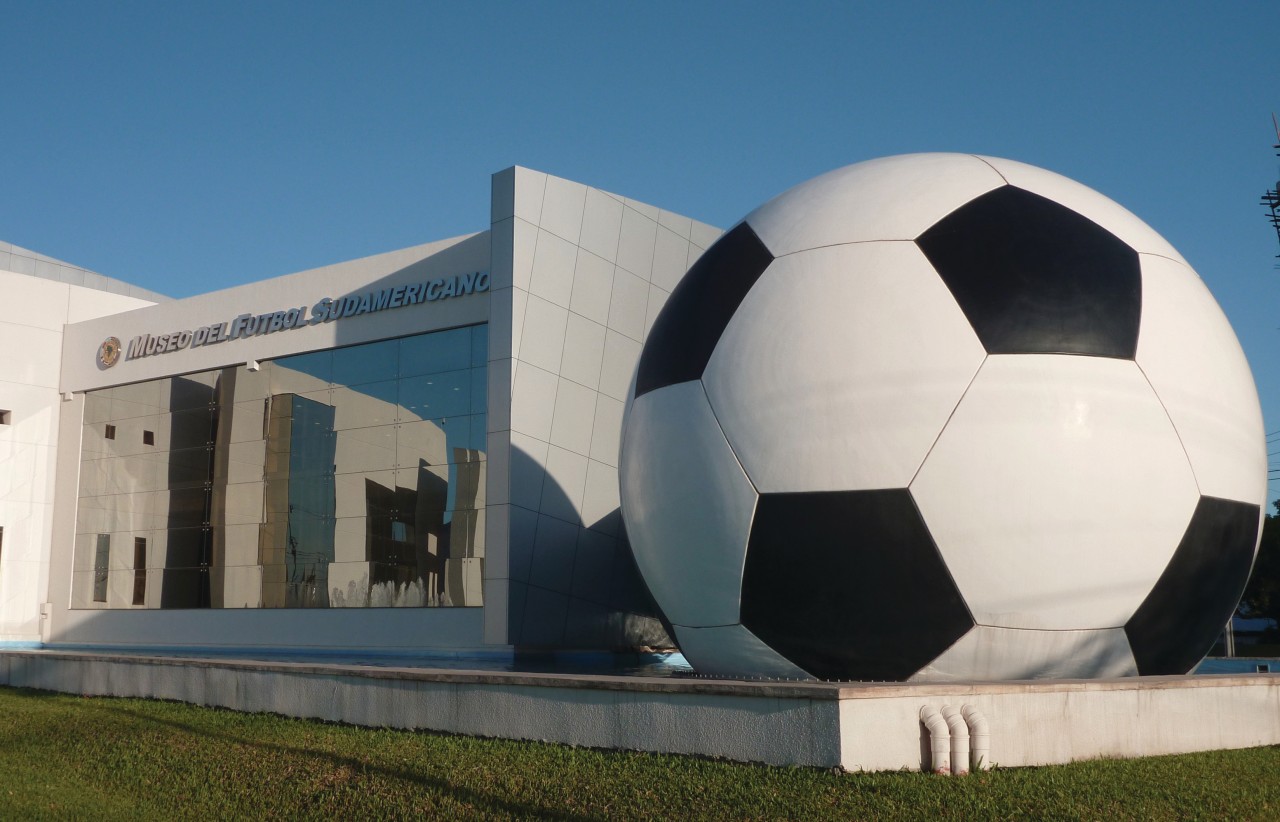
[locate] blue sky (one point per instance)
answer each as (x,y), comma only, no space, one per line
(192,146)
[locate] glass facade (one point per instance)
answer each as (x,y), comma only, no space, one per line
(352,477)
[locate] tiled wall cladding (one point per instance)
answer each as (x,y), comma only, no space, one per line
(34,264)
(40,295)
(579,275)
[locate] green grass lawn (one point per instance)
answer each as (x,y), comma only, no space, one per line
(74,757)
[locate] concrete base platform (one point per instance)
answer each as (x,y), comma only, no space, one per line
(855,726)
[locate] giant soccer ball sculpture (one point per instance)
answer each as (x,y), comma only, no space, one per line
(943,416)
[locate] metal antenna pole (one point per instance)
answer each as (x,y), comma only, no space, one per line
(1271,199)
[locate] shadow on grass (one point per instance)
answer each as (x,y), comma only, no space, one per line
(337,760)
(35,693)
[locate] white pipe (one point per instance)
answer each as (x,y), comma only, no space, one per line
(959,740)
(939,740)
(979,737)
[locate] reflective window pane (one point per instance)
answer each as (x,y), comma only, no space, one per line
(479,437)
(318,366)
(344,478)
(433,396)
(190,392)
(367,405)
(359,364)
(441,351)
(479,391)
(190,468)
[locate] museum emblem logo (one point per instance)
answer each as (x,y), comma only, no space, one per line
(109,352)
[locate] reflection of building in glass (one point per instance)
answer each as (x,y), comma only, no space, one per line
(288,487)
(296,543)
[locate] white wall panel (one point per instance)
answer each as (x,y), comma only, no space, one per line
(21,592)
(606,435)
(497,597)
(33,302)
(649,212)
(528,470)
(533,401)
(498,470)
(24,474)
(678,224)
(95,281)
(701,236)
(524,241)
(34,417)
(562,204)
(32,316)
(501,254)
(593,566)
(502,322)
(592,287)
(530,186)
(621,354)
(657,299)
(26,531)
(629,304)
(583,351)
(554,547)
(519,307)
(565,485)
(1203,380)
(553,263)
(524,530)
(670,259)
(41,352)
(600,498)
(601,225)
(542,338)
(20,264)
(502,192)
(54,271)
(499,383)
(840,368)
(574,417)
(636,241)
(1057,493)
(87,304)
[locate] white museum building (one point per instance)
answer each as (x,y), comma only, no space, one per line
(411,453)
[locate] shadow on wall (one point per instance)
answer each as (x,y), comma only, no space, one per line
(574,584)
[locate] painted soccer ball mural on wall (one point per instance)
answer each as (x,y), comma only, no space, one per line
(943,416)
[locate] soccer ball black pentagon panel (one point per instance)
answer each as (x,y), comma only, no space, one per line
(940,417)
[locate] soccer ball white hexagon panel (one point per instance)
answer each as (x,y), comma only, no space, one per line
(677,456)
(1203,381)
(840,368)
(890,198)
(1057,492)
(949,436)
